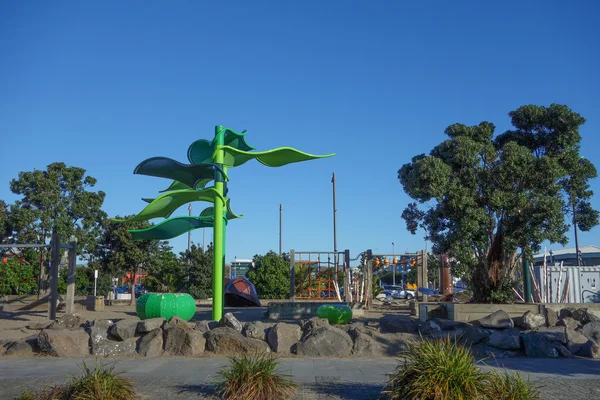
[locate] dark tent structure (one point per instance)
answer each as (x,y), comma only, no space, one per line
(240,292)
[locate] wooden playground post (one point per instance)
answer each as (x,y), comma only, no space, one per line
(54,276)
(71,276)
(292,275)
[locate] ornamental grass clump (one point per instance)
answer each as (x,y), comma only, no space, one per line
(99,383)
(254,376)
(511,387)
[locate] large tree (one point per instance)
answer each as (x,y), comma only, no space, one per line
(485,199)
(57,198)
(271,275)
(199,266)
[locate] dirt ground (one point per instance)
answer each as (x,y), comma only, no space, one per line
(13,324)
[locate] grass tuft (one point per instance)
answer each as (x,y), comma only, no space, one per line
(254,376)
(511,387)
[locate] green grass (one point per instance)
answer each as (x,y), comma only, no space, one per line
(254,376)
(99,383)
(441,369)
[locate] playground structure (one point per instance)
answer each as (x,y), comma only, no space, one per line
(209,161)
(328,276)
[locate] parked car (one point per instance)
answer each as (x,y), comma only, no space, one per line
(397,292)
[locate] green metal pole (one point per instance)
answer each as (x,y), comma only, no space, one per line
(526,280)
(219,231)
(224,252)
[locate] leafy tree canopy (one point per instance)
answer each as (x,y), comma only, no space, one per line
(199,263)
(271,275)
(481,198)
(57,197)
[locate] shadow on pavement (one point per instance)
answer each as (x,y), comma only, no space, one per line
(568,367)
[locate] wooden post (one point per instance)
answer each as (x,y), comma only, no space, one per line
(292,275)
(347,282)
(425,273)
(71,276)
(54,276)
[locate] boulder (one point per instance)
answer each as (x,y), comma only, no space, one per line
(64,343)
(194,343)
(325,342)
(124,329)
(474,335)
(38,326)
(257,330)
(449,325)
(568,322)
(228,341)
(175,337)
(283,337)
(111,348)
(98,329)
(538,345)
(553,333)
(551,317)
(205,325)
(592,331)
(399,324)
(27,347)
(310,325)
(575,340)
(365,344)
(590,349)
(452,335)
(508,339)
(177,321)
(566,312)
(151,344)
(584,316)
(430,327)
(497,320)
(533,321)
(230,321)
(148,325)
(483,350)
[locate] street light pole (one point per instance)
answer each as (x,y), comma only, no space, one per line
(393,265)
(280,215)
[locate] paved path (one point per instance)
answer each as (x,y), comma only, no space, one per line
(320,378)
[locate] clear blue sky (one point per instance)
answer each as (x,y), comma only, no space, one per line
(105,85)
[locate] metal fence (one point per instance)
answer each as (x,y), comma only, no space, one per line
(568,284)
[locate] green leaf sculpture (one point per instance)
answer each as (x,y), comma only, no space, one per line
(209,161)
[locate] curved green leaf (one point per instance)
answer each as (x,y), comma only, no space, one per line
(164,205)
(236,140)
(171,228)
(147,200)
(188,174)
(271,158)
(200,152)
(229,214)
(178,186)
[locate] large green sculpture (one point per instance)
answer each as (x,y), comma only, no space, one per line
(209,161)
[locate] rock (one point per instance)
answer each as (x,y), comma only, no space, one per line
(148,325)
(175,336)
(310,325)
(590,350)
(508,339)
(551,317)
(474,335)
(449,325)
(430,327)
(325,342)
(205,326)
(584,316)
(553,333)
(575,340)
(230,321)
(225,340)
(27,347)
(497,320)
(111,348)
(194,343)
(452,335)
(482,350)
(257,330)
(98,330)
(124,329)
(283,337)
(568,322)
(365,344)
(533,321)
(537,345)
(67,321)
(64,343)
(177,321)
(399,324)
(40,325)
(592,331)
(151,344)
(518,322)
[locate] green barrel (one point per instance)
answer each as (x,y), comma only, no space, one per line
(335,313)
(166,305)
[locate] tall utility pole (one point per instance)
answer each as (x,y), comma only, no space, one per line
(393,264)
(190,232)
(280,216)
(576,238)
(335,254)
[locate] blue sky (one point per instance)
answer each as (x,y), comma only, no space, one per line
(105,85)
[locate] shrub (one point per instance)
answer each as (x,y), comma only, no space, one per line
(99,383)
(511,387)
(442,369)
(254,377)
(437,370)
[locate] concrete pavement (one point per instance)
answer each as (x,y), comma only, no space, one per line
(320,378)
